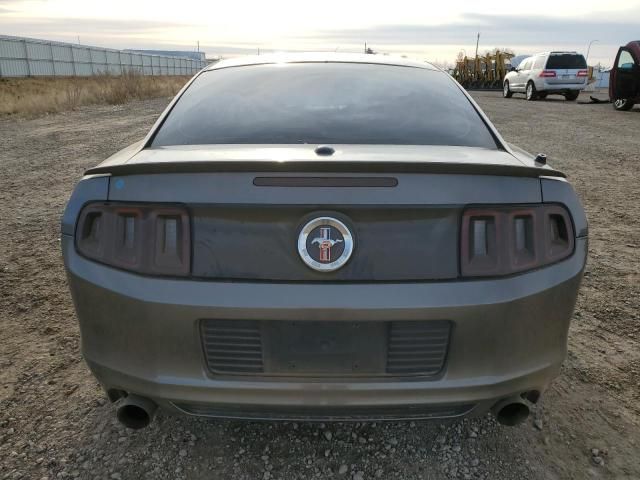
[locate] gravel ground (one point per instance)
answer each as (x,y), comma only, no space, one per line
(56,423)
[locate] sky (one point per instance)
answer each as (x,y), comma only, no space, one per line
(424,30)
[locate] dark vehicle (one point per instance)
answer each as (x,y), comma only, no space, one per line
(324,237)
(624,80)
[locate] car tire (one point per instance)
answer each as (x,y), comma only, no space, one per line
(623,104)
(531,92)
(572,95)
(506,93)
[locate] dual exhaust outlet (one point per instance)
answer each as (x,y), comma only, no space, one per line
(510,411)
(137,412)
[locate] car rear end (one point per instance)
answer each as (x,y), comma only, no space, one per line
(563,72)
(192,293)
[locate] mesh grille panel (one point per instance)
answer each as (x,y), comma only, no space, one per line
(418,347)
(246,347)
(232,346)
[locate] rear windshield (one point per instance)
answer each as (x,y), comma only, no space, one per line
(566,60)
(337,103)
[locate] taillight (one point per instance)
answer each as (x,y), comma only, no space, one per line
(498,241)
(547,73)
(149,239)
(582,73)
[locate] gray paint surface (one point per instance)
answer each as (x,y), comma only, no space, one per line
(154,321)
(91,188)
(508,336)
(556,190)
(523,319)
(238,188)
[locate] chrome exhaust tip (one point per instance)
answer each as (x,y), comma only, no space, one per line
(135,412)
(511,411)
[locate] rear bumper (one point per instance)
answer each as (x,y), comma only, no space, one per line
(141,335)
(560,87)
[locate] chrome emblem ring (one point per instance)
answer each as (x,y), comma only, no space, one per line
(325,244)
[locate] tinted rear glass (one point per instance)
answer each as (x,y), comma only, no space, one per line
(566,61)
(317,103)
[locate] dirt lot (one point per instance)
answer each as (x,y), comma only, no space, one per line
(55,422)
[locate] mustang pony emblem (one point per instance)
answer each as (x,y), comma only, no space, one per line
(325,243)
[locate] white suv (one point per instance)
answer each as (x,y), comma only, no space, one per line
(560,73)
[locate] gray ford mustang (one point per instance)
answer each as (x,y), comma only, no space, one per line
(324,237)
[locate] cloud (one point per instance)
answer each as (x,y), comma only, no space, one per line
(111,33)
(522,33)
(503,30)
(94,25)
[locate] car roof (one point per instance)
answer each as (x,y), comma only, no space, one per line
(558,52)
(634,45)
(320,57)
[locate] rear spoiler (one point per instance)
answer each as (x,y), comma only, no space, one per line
(318,166)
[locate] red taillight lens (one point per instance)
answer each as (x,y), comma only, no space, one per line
(547,73)
(498,241)
(583,73)
(149,239)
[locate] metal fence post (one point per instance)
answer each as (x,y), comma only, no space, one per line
(26,56)
(73,61)
(91,61)
(53,60)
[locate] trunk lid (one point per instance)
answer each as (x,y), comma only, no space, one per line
(405,225)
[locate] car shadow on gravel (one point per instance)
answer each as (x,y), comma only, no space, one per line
(201,448)
(540,100)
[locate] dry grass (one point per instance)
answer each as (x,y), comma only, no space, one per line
(37,96)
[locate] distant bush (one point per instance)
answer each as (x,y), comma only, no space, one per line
(37,96)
